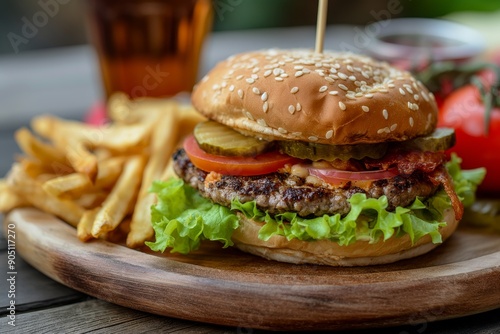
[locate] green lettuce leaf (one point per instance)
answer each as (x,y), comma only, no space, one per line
(182,218)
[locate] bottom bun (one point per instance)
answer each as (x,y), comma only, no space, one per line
(360,253)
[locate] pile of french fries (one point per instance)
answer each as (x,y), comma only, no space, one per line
(96,178)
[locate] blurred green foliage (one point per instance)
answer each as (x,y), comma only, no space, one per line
(435,8)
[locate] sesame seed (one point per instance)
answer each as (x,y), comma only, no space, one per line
(352,78)
(239,77)
(411,121)
(215,87)
(255,90)
(365,108)
(329,79)
(278,79)
(261,122)
(299,107)
(255,70)
(350,96)
(425,96)
(342,105)
(382,130)
(312,138)
(344,87)
(240,93)
(250,80)
(342,75)
(296,134)
(393,127)
(329,134)
(401,90)
(323,89)
(291,109)
(432,96)
(268,73)
(391,85)
(277,71)
(369,95)
(298,67)
(385,113)
(349,68)
(265,107)
(410,105)
(415,106)
(408,88)
(249,115)
(231,88)
(332,70)
(306,70)
(299,73)
(294,90)
(416,97)
(281,130)
(333,92)
(264,96)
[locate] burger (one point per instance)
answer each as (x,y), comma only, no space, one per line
(325,158)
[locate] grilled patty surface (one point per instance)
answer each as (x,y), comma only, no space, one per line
(283,192)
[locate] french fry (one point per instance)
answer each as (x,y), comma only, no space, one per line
(81,159)
(35,148)
(36,169)
(32,191)
(97,178)
(84,227)
(120,110)
(162,144)
(91,200)
(67,184)
(75,184)
(124,193)
(9,199)
(109,171)
(115,137)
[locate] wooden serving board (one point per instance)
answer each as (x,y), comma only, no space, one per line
(228,287)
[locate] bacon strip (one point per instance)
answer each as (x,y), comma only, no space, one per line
(441,176)
(408,162)
(431,163)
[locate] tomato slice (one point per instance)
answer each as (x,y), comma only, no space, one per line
(244,166)
(338,177)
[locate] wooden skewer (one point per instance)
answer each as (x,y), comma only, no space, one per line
(320,25)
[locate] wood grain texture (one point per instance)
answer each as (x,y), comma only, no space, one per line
(228,287)
(97,316)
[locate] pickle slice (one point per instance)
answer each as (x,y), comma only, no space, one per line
(315,151)
(440,140)
(216,138)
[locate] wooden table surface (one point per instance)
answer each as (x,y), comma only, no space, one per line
(45,306)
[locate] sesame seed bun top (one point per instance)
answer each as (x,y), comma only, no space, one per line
(331,98)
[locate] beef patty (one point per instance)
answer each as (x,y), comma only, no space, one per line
(283,192)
